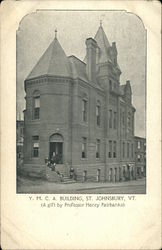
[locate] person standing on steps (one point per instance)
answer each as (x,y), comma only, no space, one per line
(53,160)
(71,173)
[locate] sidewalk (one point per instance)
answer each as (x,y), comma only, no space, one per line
(28,186)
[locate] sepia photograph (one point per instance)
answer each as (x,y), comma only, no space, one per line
(80,125)
(81,103)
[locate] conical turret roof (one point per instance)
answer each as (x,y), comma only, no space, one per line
(103,44)
(53,62)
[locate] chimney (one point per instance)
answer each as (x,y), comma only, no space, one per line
(114,45)
(91,59)
(115,53)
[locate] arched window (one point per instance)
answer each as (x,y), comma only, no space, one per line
(115,120)
(36,105)
(98,148)
(123,149)
(110,118)
(110,149)
(84,108)
(98,113)
(84,147)
(114,150)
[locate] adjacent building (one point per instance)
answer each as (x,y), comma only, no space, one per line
(79,112)
(140,156)
(19,140)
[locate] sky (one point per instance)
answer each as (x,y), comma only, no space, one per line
(37,30)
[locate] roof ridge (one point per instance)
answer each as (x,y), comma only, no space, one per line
(103,34)
(77,58)
(51,55)
(103,38)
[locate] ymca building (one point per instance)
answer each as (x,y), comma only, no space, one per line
(80,112)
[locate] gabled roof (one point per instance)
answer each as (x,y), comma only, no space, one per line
(53,62)
(126,89)
(122,89)
(78,68)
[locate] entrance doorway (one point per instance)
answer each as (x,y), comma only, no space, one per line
(56,151)
(56,148)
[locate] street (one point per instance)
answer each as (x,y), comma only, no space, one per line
(136,189)
(44,187)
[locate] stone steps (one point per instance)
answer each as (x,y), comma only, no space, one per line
(63,177)
(52,176)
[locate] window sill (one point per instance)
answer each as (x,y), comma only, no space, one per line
(35,119)
(84,123)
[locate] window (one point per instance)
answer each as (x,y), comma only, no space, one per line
(35,140)
(98,148)
(110,85)
(114,150)
(138,158)
(110,149)
(84,110)
(132,151)
(98,114)
(36,107)
(138,145)
(84,147)
(123,119)
(115,120)
(127,149)
(123,149)
(110,118)
(21,132)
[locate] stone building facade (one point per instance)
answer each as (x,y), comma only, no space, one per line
(19,138)
(140,156)
(19,142)
(79,111)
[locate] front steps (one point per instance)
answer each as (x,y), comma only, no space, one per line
(59,175)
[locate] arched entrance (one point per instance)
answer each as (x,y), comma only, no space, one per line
(56,148)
